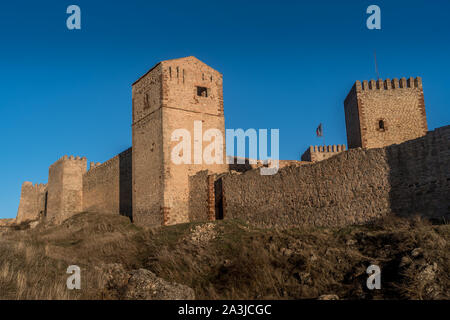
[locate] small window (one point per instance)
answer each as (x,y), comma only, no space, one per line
(202,92)
(146,102)
(381,125)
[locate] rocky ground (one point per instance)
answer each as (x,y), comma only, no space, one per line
(223,260)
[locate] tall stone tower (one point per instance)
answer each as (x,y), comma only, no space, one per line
(381,113)
(173,95)
(65,188)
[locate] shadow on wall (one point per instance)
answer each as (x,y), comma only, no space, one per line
(354,187)
(126,184)
(419,176)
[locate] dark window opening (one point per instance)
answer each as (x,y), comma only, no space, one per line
(218,196)
(45,204)
(381,125)
(202,92)
(146,102)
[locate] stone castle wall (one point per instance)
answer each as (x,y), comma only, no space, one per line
(319,153)
(32,202)
(398,104)
(356,186)
(107,188)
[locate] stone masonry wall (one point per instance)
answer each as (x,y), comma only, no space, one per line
(107,187)
(183,104)
(147,166)
(65,188)
(419,175)
(381,113)
(353,187)
(199,196)
(319,153)
(32,204)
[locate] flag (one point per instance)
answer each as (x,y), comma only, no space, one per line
(319,131)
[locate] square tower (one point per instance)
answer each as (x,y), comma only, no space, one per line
(381,113)
(174,94)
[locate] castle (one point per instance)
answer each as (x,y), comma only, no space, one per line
(381,172)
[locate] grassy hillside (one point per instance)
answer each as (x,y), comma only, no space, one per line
(228,259)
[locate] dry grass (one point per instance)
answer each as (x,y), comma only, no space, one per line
(233,261)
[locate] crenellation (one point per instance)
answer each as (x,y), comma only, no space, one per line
(395,83)
(388,84)
(418,83)
(403,84)
(380,84)
(319,153)
(365,85)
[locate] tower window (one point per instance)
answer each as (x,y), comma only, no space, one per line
(381,125)
(202,92)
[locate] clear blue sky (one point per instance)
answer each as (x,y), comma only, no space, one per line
(286,65)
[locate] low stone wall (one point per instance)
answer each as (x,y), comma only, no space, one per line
(7,222)
(353,187)
(198,196)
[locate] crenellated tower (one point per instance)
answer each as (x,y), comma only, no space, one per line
(180,94)
(65,188)
(385,112)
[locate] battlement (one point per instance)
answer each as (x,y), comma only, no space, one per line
(94,165)
(70,158)
(36,186)
(41,187)
(319,153)
(330,148)
(389,84)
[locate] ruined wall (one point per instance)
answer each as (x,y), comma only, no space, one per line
(356,186)
(319,153)
(107,187)
(65,188)
(399,105)
(32,204)
(201,196)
